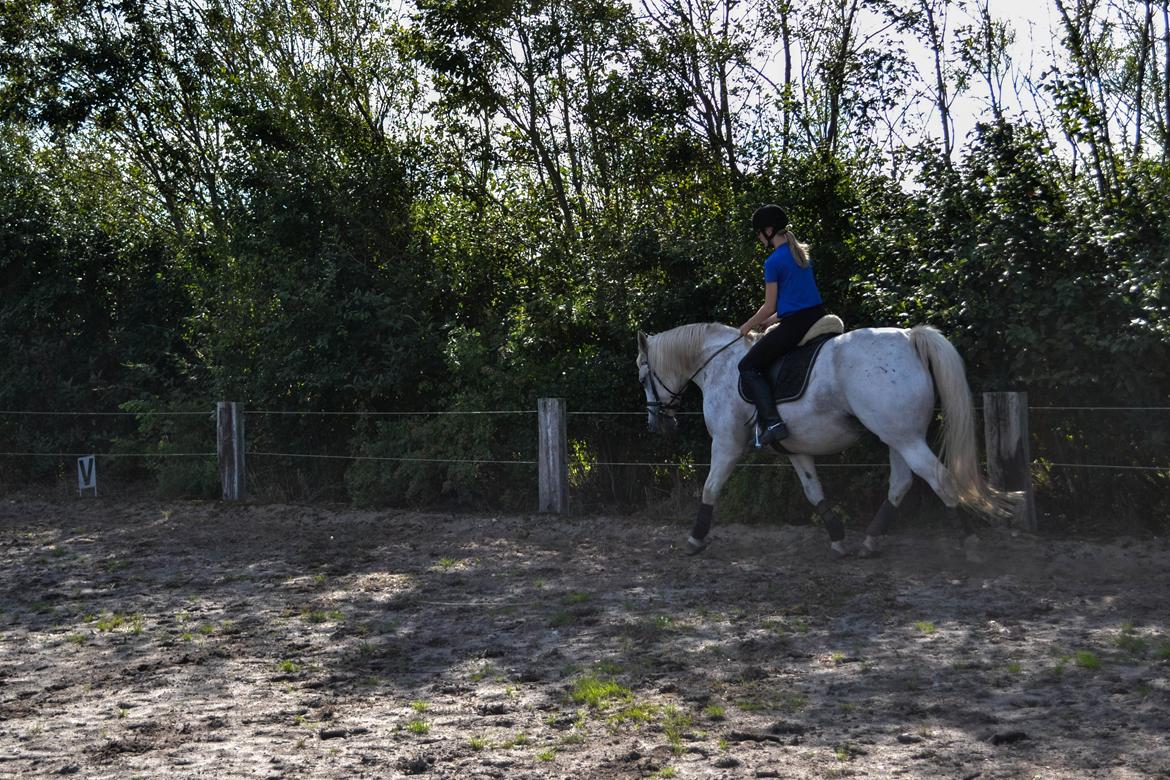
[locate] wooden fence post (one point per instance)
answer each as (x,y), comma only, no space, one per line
(230,424)
(553,456)
(1009,462)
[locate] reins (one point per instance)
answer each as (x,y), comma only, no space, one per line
(669,406)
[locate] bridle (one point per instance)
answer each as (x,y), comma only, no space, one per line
(669,408)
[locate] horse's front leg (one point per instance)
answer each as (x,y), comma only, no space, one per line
(725,453)
(806,470)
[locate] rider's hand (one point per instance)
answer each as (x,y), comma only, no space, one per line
(746,328)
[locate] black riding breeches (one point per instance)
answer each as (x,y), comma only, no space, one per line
(779,340)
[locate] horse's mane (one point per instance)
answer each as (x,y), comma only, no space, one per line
(676,350)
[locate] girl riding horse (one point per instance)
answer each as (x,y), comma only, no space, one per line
(790,296)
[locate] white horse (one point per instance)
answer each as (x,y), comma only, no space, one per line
(878,379)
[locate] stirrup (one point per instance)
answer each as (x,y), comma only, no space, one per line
(772,434)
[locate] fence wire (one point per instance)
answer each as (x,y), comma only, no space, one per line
(518,412)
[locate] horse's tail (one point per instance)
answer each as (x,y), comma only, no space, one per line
(959,453)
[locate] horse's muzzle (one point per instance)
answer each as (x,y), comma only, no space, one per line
(665,424)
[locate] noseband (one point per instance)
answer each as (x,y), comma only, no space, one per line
(658,406)
(669,408)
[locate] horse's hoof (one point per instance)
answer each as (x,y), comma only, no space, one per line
(869,548)
(696,546)
(838,550)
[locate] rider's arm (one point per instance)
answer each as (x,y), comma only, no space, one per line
(766,312)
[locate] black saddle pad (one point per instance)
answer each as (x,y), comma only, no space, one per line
(789,375)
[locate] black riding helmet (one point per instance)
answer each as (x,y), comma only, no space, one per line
(770,216)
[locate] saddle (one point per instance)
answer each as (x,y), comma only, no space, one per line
(789,375)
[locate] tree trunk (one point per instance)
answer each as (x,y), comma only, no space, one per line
(836,79)
(1166,80)
(940,83)
(1088,77)
(786,42)
(990,58)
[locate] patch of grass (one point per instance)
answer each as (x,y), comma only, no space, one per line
(562,618)
(1061,663)
(675,723)
(319,579)
(636,714)
(925,626)
(715,712)
(485,671)
(778,630)
(665,772)
(597,693)
(547,755)
(573,738)
(1163,652)
(762,700)
(610,668)
(1130,642)
(520,740)
(418,726)
(76,639)
(446,563)
(116,620)
(419,706)
(1014,667)
(288,666)
(847,752)
(477,743)
(575,598)
(1086,659)
(322,616)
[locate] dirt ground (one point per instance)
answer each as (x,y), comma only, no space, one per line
(176,639)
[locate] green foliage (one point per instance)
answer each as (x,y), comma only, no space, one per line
(599,693)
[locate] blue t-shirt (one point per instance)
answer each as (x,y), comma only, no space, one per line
(795,287)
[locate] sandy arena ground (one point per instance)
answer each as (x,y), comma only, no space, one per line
(177,640)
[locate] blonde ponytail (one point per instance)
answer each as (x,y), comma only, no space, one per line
(799,250)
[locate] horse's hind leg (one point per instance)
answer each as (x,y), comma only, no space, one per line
(901,478)
(806,470)
(924,463)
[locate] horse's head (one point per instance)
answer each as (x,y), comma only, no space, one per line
(661,401)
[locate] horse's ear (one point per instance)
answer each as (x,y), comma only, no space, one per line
(643,343)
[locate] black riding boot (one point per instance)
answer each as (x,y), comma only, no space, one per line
(772,428)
